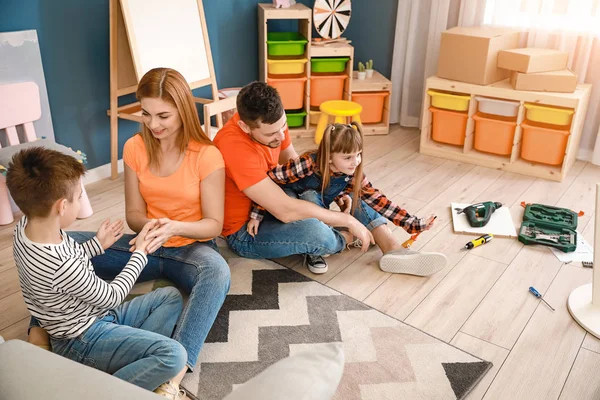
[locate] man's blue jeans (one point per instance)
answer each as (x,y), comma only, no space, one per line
(309,236)
(197,269)
(132,340)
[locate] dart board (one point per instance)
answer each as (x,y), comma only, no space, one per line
(331,17)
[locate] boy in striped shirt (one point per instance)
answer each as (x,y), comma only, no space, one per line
(84,315)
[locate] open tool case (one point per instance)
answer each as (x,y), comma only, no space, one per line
(549,226)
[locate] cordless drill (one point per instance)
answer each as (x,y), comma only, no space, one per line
(479,214)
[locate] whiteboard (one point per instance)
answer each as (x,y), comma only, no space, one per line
(167,33)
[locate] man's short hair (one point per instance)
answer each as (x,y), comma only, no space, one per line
(37,177)
(258,102)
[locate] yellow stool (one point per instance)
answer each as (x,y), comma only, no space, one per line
(341,110)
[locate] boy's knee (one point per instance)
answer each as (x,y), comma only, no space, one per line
(171,354)
(170,293)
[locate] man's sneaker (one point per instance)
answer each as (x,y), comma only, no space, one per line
(315,264)
(406,261)
(170,391)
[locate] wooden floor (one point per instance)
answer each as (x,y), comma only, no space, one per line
(479,303)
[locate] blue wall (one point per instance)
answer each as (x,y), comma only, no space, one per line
(73,37)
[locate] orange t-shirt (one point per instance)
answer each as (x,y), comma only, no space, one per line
(246,164)
(176,196)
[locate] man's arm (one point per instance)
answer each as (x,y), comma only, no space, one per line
(286,209)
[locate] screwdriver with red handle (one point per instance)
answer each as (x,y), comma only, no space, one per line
(539,296)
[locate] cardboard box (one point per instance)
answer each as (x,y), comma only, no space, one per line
(530,60)
(470,54)
(564,81)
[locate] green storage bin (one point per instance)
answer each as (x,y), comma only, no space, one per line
(337,64)
(549,226)
(295,118)
(285,44)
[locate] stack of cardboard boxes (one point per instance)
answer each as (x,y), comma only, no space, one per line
(485,55)
(538,70)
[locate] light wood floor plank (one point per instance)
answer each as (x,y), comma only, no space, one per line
(375,169)
(584,380)
(361,277)
(12,310)
(9,282)
(591,343)
(540,361)
(6,258)
(450,304)
(438,179)
(18,330)
(505,311)
(486,351)
(401,294)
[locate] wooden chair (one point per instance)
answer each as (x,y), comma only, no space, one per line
(217,108)
(20,105)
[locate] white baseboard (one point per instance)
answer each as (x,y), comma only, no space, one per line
(99,173)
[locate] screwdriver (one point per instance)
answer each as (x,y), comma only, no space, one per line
(539,296)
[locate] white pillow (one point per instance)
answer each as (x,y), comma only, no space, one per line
(308,375)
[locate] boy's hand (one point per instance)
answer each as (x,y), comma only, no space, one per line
(142,240)
(109,233)
(252,227)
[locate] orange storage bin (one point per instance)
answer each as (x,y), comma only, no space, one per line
(543,143)
(494,133)
(448,126)
(325,87)
(372,104)
(290,89)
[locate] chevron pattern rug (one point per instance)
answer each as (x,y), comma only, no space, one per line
(271,311)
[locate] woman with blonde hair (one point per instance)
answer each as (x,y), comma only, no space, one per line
(176,176)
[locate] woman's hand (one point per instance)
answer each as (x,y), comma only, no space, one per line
(142,240)
(109,233)
(164,229)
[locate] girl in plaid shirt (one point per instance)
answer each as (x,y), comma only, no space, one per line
(334,173)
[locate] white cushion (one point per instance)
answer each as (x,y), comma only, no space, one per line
(308,375)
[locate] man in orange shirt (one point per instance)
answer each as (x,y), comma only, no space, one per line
(255,140)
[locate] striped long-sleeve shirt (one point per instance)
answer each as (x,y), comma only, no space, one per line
(60,287)
(304,166)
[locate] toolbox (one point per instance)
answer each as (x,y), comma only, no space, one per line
(549,226)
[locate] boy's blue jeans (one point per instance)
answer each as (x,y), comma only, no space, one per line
(196,269)
(132,341)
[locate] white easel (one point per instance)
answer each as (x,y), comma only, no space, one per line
(146,34)
(584,302)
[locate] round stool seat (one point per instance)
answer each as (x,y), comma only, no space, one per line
(341,108)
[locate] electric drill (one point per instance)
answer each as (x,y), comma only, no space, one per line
(479,214)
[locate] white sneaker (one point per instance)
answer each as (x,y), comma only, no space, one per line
(315,264)
(170,391)
(405,261)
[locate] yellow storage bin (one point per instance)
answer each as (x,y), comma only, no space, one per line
(448,101)
(549,115)
(286,66)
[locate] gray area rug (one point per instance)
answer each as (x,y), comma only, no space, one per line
(271,311)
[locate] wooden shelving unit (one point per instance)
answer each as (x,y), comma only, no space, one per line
(303,14)
(578,101)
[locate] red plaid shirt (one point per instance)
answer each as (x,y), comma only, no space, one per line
(303,166)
